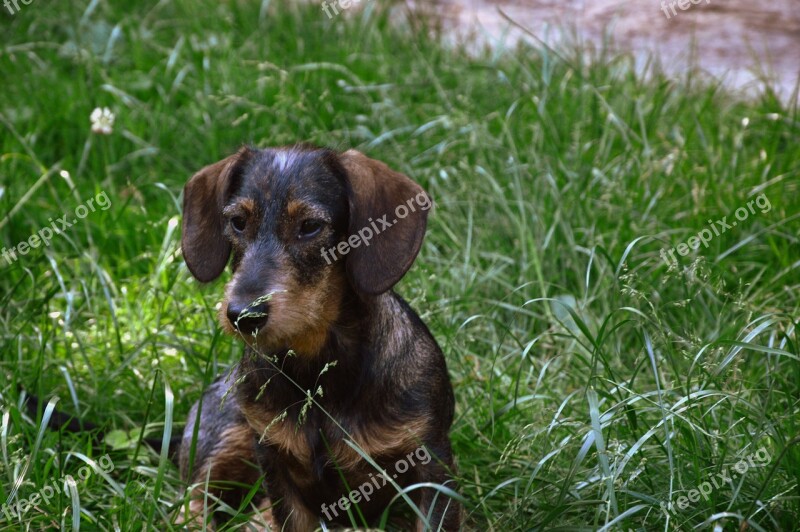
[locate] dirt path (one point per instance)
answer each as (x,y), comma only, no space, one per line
(739,41)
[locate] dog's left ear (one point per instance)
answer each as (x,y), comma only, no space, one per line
(376,191)
(206,250)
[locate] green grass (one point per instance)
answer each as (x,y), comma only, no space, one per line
(593,383)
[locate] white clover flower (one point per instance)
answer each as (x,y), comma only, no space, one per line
(102,121)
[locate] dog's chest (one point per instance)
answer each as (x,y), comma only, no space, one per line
(314,442)
(333,430)
(311,440)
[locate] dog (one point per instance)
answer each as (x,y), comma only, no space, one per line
(336,365)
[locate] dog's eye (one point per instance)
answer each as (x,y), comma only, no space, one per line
(310,228)
(238,223)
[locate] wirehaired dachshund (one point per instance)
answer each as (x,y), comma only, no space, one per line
(339,375)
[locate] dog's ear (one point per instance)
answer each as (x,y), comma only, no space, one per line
(376,190)
(206,250)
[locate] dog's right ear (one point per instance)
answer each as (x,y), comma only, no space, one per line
(375,191)
(206,250)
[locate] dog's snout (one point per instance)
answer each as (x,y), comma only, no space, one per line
(248,318)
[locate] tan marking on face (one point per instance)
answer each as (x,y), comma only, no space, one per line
(304,314)
(280,279)
(222,317)
(245,206)
(248,205)
(300,317)
(294,208)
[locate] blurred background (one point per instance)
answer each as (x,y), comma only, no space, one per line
(752,47)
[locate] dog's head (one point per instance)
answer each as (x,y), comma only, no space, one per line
(305,227)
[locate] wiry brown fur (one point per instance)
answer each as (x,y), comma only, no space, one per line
(332,331)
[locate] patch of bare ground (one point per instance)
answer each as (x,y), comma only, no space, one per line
(743,43)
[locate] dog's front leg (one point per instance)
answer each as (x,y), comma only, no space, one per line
(441,511)
(217,458)
(288,509)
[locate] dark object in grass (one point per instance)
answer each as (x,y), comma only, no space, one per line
(335,360)
(62,421)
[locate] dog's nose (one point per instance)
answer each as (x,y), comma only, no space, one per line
(248,318)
